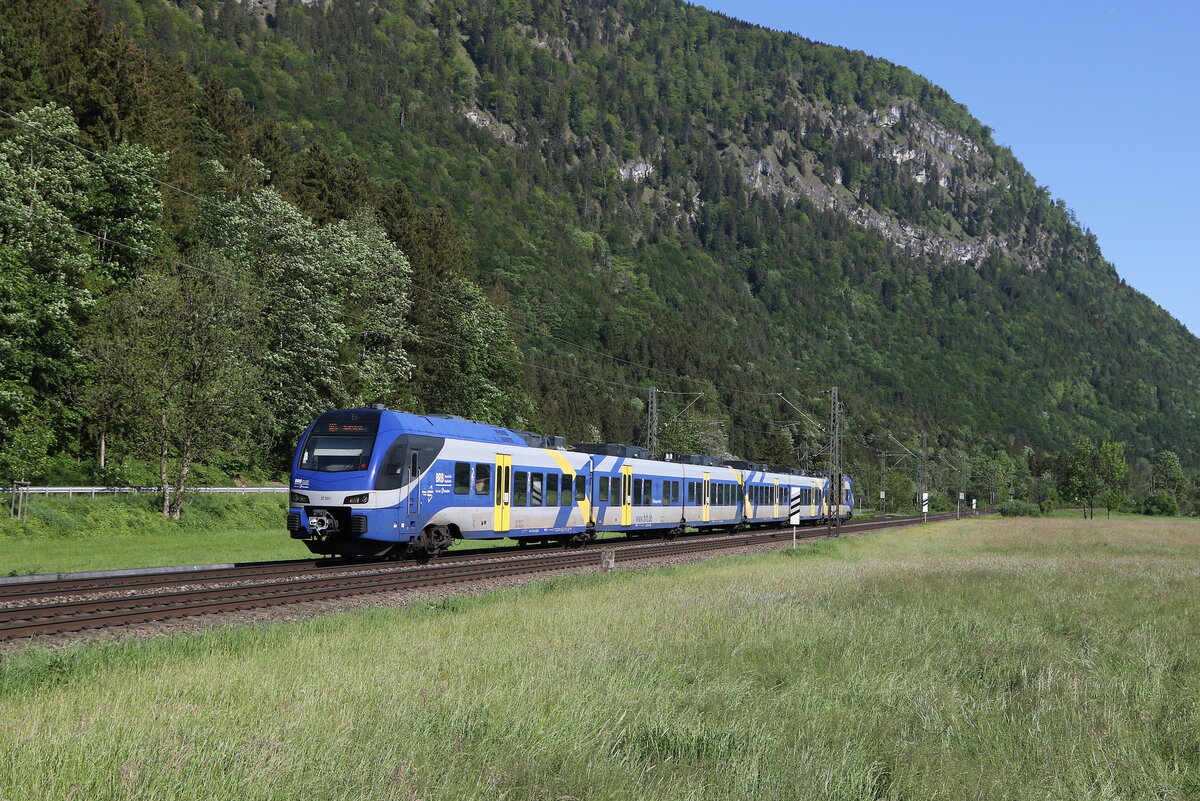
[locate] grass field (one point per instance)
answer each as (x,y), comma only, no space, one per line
(988,659)
(75,534)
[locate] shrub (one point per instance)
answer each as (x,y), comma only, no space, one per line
(1017,508)
(1160,503)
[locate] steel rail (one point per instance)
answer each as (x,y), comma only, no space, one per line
(137,581)
(79,615)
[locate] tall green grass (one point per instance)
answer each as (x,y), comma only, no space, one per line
(994,659)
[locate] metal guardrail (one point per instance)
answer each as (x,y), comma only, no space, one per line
(94,491)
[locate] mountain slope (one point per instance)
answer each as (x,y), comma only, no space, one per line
(739,210)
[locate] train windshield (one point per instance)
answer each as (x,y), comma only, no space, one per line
(336,453)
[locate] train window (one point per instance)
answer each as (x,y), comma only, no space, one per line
(564,497)
(535,489)
(712,494)
(552,489)
(336,453)
(666,493)
(637,492)
(618,489)
(675,492)
(580,488)
(691,492)
(648,497)
(603,490)
(462,478)
(520,488)
(483,478)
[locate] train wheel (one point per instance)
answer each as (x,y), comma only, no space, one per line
(582,538)
(433,541)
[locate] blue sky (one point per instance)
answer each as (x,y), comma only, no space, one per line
(1099,100)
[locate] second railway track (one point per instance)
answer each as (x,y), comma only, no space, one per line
(30,609)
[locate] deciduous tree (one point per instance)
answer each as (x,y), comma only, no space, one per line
(1113,473)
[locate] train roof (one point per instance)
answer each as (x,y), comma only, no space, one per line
(435,425)
(612,449)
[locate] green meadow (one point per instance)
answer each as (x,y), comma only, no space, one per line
(987,659)
(125,531)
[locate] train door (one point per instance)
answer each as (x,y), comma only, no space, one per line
(705,511)
(502,508)
(776,496)
(627,495)
(414,474)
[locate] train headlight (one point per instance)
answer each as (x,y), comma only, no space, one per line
(298,498)
(363,498)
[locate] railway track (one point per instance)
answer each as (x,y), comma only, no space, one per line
(67,605)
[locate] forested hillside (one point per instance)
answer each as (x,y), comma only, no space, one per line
(648,193)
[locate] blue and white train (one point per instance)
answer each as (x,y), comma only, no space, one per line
(376,482)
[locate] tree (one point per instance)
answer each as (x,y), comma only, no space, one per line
(1169,477)
(27,450)
(172,356)
(70,229)
(1113,475)
(1081,482)
(47,269)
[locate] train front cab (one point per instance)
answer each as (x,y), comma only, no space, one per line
(356,483)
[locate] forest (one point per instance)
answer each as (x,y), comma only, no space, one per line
(218,220)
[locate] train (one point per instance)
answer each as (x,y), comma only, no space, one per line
(373,482)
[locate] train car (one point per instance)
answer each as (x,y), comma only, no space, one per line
(376,482)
